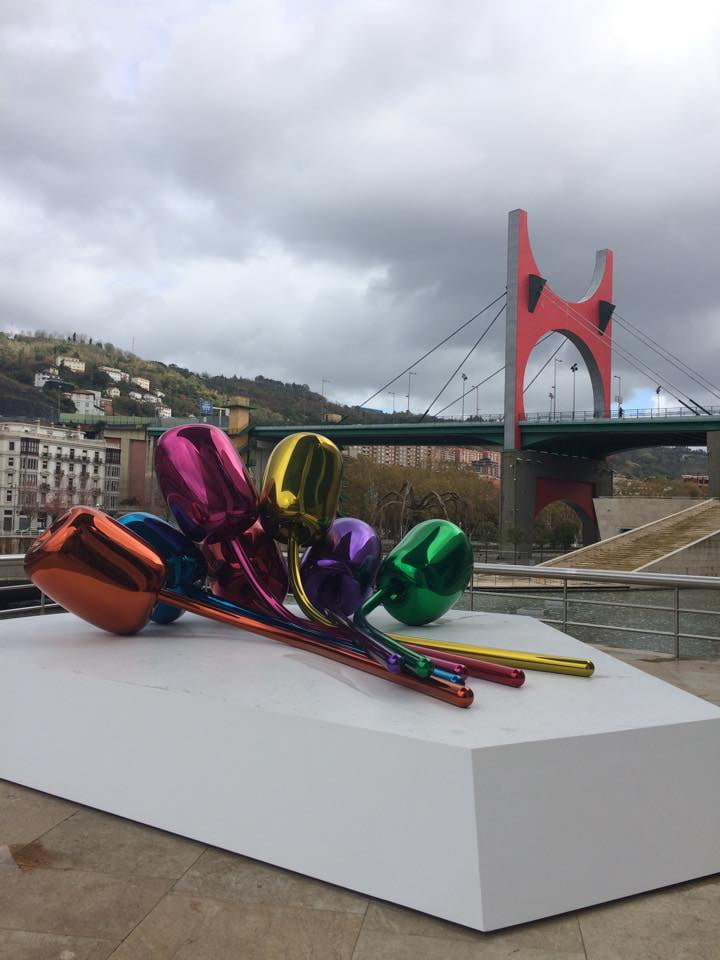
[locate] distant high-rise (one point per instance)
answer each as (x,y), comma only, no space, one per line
(485,461)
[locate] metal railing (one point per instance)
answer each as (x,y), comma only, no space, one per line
(628,413)
(559,578)
(44,604)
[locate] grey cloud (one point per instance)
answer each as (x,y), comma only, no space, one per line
(296,190)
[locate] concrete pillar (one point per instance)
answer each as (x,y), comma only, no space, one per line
(517,492)
(521,471)
(257,462)
(239,423)
(713,449)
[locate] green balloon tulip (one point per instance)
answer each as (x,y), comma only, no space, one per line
(426,573)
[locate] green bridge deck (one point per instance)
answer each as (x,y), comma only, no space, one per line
(586,438)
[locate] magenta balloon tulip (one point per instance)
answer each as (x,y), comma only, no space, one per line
(228,578)
(205,483)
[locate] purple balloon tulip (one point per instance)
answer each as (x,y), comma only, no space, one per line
(338,572)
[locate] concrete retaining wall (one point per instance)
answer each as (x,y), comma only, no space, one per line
(617,515)
(701,558)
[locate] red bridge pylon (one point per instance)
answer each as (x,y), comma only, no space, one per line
(534,309)
(532,479)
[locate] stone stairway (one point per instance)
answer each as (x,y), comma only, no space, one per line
(647,544)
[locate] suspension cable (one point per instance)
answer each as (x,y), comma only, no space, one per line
(436,347)
(699,378)
(546,364)
(482,382)
(470,390)
(631,358)
(462,362)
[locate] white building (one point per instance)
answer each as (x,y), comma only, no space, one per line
(112,392)
(119,376)
(87,401)
(150,398)
(141,382)
(41,378)
(72,363)
(134,395)
(44,470)
(164,411)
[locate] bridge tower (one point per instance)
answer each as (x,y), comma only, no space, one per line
(533,479)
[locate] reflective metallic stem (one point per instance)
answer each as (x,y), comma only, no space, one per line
(547,662)
(457,696)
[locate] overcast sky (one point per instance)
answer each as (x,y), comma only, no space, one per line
(312,189)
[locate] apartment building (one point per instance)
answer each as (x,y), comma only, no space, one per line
(141,382)
(87,401)
(485,462)
(44,470)
(402,456)
(119,376)
(42,377)
(72,363)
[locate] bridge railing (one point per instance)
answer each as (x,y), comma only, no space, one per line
(628,413)
(504,582)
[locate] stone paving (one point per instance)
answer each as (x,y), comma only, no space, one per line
(76,884)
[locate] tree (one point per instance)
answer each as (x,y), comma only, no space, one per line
(542,537)
(564,534)
(561,523)
(515,536)
(486,532)
(389,497)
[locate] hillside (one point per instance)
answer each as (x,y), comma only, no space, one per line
(24,355)
(660,462)
(20,400)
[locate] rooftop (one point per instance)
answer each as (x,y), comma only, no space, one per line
(78,883)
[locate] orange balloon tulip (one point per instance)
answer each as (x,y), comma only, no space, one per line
(97,569)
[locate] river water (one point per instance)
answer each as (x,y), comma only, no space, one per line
(648,610)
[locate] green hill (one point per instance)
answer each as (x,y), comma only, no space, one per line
(660,462)
(21,356)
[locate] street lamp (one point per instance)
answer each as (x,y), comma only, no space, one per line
(658,398)
(477,402)
(322,392)
(618,396)
(552,405)
(574,370)
(392,394)
(411,373)
(464,378)
(554,389)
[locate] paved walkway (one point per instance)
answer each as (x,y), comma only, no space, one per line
(76,884)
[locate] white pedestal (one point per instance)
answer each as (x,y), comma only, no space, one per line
(564,793)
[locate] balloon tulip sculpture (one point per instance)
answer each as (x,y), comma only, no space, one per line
(120,575)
